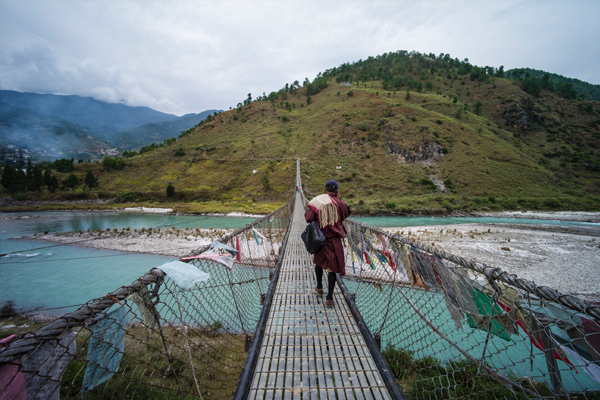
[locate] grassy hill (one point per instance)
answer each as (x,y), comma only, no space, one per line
(413,133)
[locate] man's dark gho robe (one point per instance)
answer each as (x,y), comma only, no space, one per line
(331,255)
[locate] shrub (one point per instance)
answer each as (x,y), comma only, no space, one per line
(170,190)
(552,203)
(115,163)
(71,182)
(179,152)
(127,197)
(448,207)
(63,165)
(350,93)
(428,182)
(8,310)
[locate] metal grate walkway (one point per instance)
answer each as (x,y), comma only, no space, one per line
(310,351)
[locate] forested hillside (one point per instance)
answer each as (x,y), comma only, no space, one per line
(566,87)
(401,132)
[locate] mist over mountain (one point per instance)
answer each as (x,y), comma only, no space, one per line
(108,119)
(56,126)
(46,137)
(156,132)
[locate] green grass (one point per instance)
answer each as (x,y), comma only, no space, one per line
(428,378)
(145,372)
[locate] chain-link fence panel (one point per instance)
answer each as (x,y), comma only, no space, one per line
(453,328)
(182,330)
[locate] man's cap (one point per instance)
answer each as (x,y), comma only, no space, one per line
(331,185)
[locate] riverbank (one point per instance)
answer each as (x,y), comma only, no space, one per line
(155,241)
(218,208)
(566,259)
(582,216)
(9,204)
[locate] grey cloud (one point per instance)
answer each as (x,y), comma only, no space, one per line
(188,56)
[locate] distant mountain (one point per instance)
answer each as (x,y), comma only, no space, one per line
(156,132)
(591,91)
(47,137)
(74,124)
(110,120)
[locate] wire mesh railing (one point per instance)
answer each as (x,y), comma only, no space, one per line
(182,330)
(453,328)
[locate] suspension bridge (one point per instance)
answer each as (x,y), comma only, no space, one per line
(240,318)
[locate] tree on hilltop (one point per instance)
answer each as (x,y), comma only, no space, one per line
(50,180)
(9,177)
(90,180)
(71,182)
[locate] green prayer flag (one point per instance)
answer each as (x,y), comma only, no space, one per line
(485,305)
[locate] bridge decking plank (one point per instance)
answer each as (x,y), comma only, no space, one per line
(309,351)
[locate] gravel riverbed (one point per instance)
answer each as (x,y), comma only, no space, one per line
(549,256)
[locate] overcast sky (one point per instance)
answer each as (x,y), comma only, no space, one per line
(189,56)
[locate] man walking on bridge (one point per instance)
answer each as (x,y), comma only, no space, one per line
(330,212)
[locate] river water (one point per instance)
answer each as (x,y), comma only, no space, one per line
(48,277)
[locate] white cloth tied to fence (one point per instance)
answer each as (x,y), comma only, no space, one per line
(256,235)
(145,307)
(183,274)
(106,346)
(211,255)
(218,245)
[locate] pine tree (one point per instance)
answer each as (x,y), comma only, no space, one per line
(20,181)
(90,180)
(170,190)
(53,184)
(478,106)
(35,180)
(50,180)
(71,182)
(8,179)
